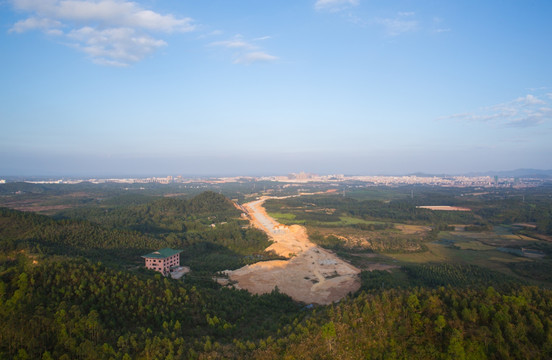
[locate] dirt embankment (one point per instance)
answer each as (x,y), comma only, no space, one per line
(311,275)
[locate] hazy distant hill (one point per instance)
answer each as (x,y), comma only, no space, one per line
(517,173)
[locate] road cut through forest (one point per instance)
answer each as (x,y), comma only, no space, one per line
(311,274)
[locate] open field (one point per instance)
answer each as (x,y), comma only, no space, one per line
(438,253)
(284,218)
(289,219)
(398,238)
(412,229)
(472,245)
(45,204)
(474,248)
(369,261)
(501,236)
(419,230)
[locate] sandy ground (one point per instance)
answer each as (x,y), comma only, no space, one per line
(311,275)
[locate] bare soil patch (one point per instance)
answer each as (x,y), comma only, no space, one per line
(444,208)
(311,275)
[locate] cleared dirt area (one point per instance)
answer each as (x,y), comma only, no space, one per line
(444,208)
(311,275)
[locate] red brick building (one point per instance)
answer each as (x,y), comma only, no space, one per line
(163,260)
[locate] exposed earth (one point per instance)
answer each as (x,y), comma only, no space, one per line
(311,275)
(444,208)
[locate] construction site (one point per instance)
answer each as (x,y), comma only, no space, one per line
(310,274)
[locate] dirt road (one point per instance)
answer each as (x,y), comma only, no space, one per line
(311,275)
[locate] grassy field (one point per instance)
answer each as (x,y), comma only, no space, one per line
(403,236)
(392,246)
(412,229)
(349,220)
(285,218)
(501,236)
(439,253)
(452,247)
(473,245)
(46,204)
(472,248)
(369,261)
(290,219)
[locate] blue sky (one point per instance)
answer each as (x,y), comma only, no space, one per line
(118,87)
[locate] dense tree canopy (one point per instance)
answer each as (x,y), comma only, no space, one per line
(207,227)
(69,289)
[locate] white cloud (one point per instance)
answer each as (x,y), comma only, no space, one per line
(33,23)
(530,100)
(334,5)
(262,38)
(529,121)
(255,57)
(404,22)
(246,52)
(106,12)
(115,46)
(111,32)
(236,43)
(523,112)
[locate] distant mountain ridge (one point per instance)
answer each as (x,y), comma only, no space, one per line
(517,173)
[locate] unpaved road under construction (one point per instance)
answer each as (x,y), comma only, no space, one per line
(311,275)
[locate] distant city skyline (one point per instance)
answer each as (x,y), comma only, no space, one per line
(118,87)
(520,179)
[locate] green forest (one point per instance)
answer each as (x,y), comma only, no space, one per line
(493,208)
(73,285)
(125,233)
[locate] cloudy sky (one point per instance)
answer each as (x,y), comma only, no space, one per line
(116,87)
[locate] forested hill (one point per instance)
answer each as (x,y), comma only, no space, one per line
(444,323)
(74,309)
(81,310)
(207,227)
(43,235)
(162,215)
(54,304)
